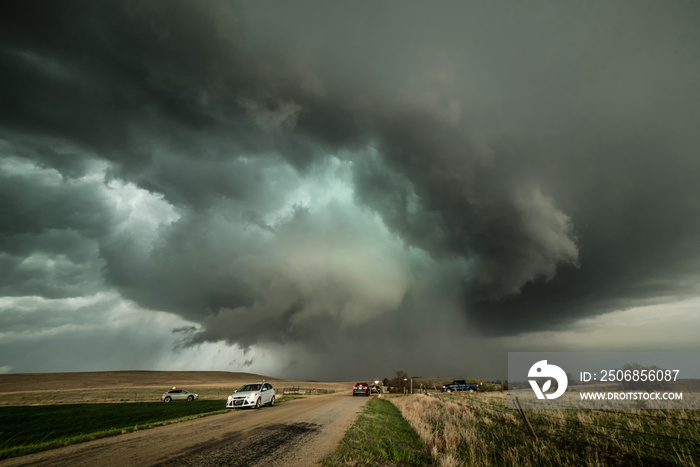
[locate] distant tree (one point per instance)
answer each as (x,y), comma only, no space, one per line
(398,380)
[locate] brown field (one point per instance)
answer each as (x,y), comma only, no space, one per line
(132,386)
(478,429)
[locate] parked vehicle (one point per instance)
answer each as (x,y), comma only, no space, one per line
(460,385)
(361,389)
(252,395)
(176,394)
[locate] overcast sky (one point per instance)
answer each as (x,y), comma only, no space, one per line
(336,190)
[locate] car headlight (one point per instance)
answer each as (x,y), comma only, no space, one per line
(252,396)
(230,397)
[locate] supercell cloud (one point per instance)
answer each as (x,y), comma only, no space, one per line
(271,187)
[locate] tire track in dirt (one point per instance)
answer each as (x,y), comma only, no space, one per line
(268,442)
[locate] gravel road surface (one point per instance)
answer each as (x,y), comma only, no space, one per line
(295,433)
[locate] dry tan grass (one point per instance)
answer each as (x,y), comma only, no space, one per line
(129,386)
(480,430)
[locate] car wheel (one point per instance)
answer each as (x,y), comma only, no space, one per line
(471,390)
(272,401)
(257,403)
(190,398)
(167,399)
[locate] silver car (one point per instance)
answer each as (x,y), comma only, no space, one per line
(175,394)
(252,395)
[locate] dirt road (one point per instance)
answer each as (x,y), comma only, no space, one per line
(295,433)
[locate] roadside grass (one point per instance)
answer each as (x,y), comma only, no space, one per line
(86,396)
(288,398)
(380,436)
(28,429)
(480,430)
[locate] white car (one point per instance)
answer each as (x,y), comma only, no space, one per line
(176,394)
(252,395)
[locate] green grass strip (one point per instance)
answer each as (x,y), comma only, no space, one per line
(380,436)
(28,429)
(38,428)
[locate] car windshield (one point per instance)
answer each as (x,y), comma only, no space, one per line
(248,388)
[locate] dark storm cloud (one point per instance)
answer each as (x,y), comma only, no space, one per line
(523,137)
(119,76)
(49,231)
(542,153)
(36,201)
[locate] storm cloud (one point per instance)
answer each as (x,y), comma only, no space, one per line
(300,179)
